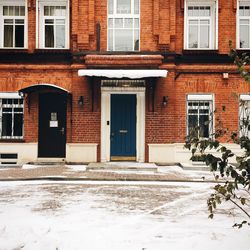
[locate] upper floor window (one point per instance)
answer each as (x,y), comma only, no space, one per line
(13,28)
(243,21)
(200,24)
(123,25)
(200,115)
(53,18)
(11,116)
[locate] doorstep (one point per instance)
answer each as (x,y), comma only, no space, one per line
(196,166)
(122,166)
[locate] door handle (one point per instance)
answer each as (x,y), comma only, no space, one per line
(62,130)
(123,131)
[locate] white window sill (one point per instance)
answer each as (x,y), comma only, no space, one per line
(17,48)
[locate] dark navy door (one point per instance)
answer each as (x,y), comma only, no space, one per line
(123,127)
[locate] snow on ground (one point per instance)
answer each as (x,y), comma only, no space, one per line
(77,167)
(100,215)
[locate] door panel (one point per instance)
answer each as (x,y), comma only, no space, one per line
(123,126)
(52,125)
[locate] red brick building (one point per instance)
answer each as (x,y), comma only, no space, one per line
(102,80)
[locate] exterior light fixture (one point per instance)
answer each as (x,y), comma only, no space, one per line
(80,101)
(165,101)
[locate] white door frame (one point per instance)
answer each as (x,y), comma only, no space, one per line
(106,120)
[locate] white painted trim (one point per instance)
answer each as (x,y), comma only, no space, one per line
(46,84)
(176,153)
(40,26)
(118,15)
(10,95)
(199,97)
(81,152)
(213,26)
(238,24)
(14,3)
(121,73)
(140,120)
(245,97)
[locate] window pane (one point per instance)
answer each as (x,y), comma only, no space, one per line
(110,40)
(52,10)
(8,21)
(16,10)
(136,6)
(5,10)
(123,40)
(207,11)
(136,22)
(110,6)
(110,22)
(204,125)
(19,21)
(63,10)
(6,125)
(49,21)
(195,11)
(18,124)
(60,36)
(46,10)
(60,21)
(136,40)
(11,10)
(204,36)
(190,11)
(49,36)
(118,23)
(8,35)
(58,11)
(128,23)
(244,36)
(124,6)
(22,11)
(202,11)
(246,11)
(193,36)
(19,36)
(192,123)
(244,21)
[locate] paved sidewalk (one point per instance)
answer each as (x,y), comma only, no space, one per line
(81,172)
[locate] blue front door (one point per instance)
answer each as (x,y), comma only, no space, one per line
(123,127)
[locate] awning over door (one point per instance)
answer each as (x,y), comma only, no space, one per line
(123,73)
(43,87)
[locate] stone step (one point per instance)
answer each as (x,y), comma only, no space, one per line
(122,166)
(195,167)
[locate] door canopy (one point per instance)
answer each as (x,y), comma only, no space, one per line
(123,73)
(44,87)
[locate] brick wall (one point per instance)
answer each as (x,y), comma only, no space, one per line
(162,25)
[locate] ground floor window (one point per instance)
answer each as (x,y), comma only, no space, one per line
(244,115)
(11,118)
(200,115)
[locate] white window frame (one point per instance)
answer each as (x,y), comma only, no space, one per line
(13,3)
(201,98)
(11,95)
(238,24)
(244,113)
(213,25)
(40,41)
(118,15)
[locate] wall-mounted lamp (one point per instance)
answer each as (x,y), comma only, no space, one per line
(80,101)
(165,100)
